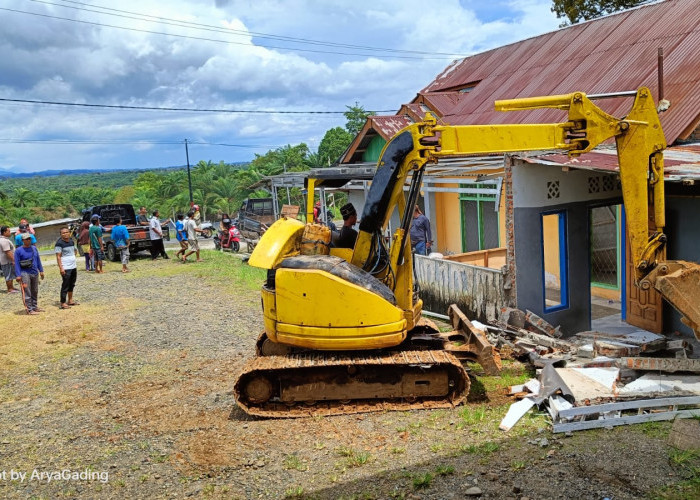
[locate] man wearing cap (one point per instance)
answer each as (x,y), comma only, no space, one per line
(96,244)
(28,269)
(347,234)
(23,228)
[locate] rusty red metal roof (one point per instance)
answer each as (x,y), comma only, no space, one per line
(387,126)
(680,162)
(610,54)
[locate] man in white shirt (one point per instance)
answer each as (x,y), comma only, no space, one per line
(156,234)
(67,266)
(192,230)
(7,259)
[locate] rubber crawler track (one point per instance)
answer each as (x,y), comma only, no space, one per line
(274,367)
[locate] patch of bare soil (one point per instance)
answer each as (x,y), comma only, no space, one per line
(133,390)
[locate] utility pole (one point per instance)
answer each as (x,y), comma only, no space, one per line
(289,201)
(189,176)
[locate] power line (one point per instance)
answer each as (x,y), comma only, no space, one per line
(209,27)
(92,23)
(130,142)
(195,110)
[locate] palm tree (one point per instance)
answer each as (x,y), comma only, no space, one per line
(24,197)
(228,194)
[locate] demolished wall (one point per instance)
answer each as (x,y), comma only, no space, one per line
(478,291)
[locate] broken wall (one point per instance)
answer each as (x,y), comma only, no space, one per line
(537,190)
(478,291)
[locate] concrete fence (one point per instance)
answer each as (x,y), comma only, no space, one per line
(477,291)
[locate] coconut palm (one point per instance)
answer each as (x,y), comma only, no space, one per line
(24,197)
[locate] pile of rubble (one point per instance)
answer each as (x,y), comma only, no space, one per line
(597,379)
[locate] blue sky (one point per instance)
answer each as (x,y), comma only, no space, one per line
(263,55)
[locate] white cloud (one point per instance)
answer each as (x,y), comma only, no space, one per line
(56,60)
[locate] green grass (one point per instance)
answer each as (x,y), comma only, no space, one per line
(683,490)
(658,430)
(227,268)
(294,492)
(682,457)
(444,470)
(471,415)
(354,458)
(295,463)
(481,449)
(422,481)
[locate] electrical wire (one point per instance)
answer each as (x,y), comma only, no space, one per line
(194,110)
(228,42)
(209,27)
(131,142)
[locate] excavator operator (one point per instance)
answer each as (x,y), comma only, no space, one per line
(347,234)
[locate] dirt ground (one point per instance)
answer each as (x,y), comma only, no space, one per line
(129,395)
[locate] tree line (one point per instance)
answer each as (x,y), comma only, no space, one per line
(216,187)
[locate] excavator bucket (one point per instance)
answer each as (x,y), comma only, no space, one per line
(678,282)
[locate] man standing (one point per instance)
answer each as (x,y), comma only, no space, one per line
(96,244)
(142,217)
(192,230)
(156,234)
(120,237)
(421,238)
(7,259)
(67,266)
(28,269)
(22,228)
(347,234)
(181,236)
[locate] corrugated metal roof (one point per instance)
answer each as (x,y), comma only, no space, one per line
(610,54)
(387,126)
(680,162)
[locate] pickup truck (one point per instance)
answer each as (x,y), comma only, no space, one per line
(255,216)
(139,238)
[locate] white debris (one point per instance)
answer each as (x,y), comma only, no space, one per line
(515,413)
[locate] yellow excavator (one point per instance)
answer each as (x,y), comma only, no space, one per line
(343,327)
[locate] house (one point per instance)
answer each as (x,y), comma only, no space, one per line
(558,223)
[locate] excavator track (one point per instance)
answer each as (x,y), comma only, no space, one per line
(309,384)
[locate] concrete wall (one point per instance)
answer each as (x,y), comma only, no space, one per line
(539,189)
(477,291)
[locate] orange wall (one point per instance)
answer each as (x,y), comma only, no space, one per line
(447,235)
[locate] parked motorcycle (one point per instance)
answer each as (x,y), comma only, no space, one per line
(207,229)
(230,239)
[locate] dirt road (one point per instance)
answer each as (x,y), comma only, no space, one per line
(128,395)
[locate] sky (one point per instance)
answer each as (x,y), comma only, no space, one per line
(265,56)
